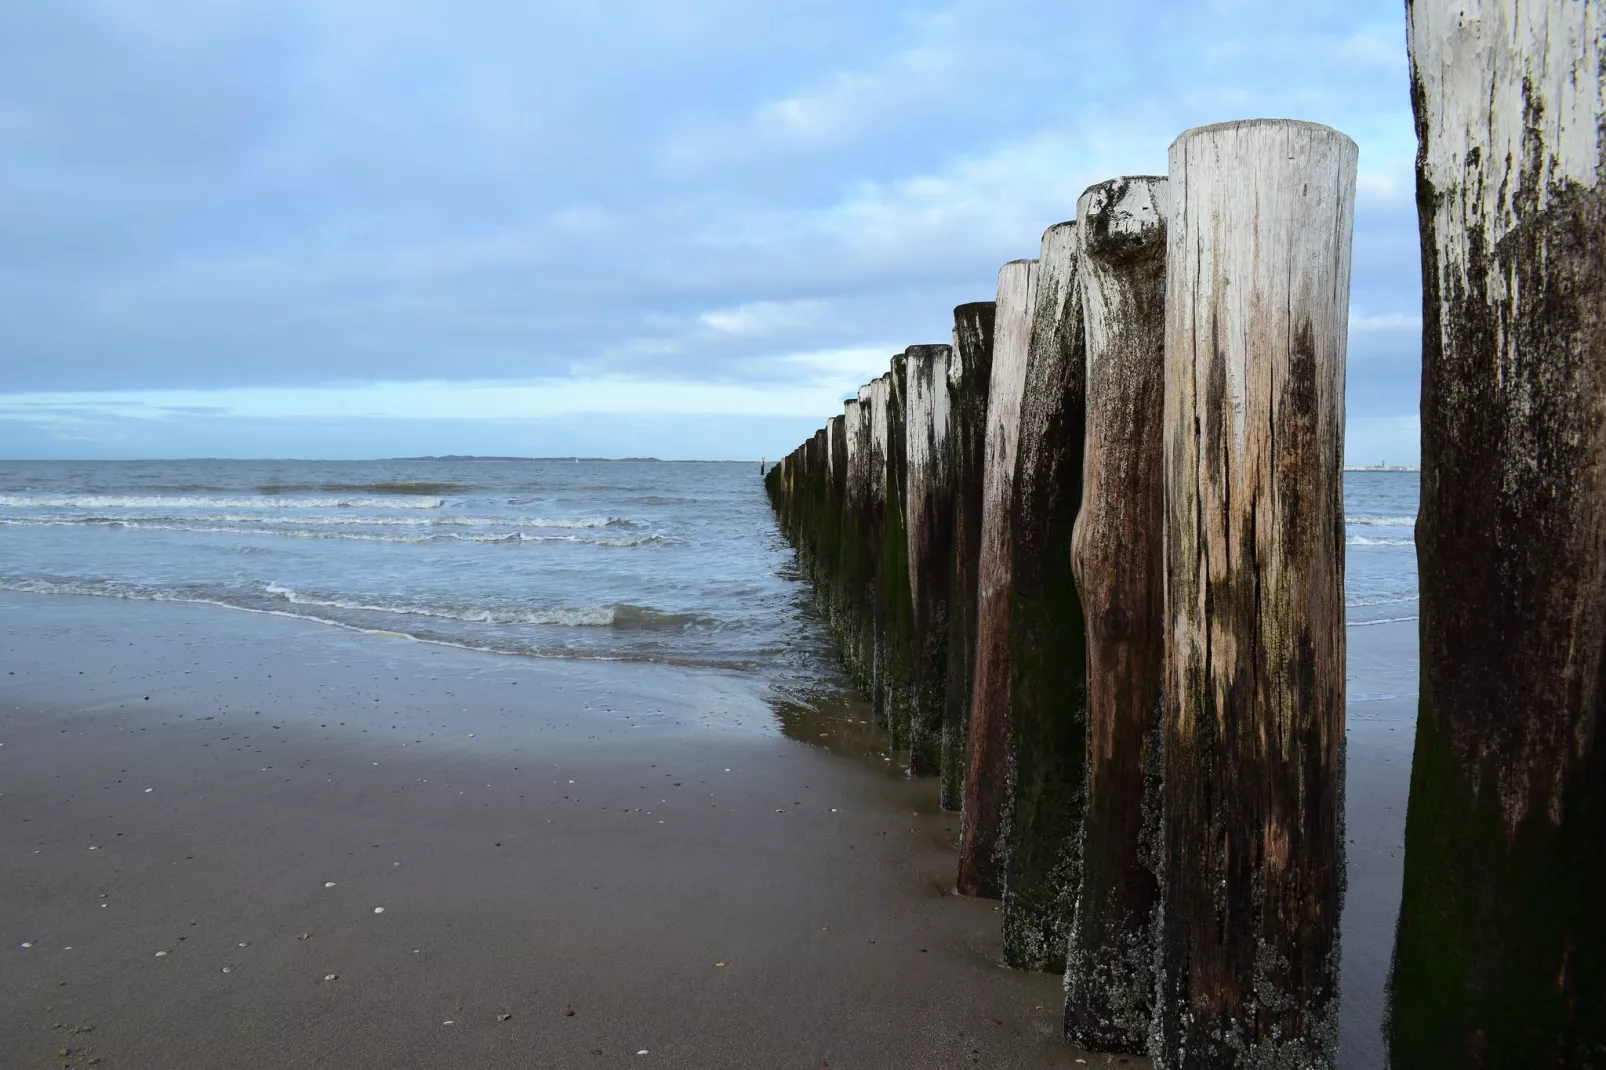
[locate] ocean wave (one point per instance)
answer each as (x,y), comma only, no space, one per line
(617,615)
(1372,540)
(1380,600)
(389,487)
(633,540)
(1381,521)
(485,645)
(581,617)
(268,520)
(495,538)
(188,501)
(1383,620)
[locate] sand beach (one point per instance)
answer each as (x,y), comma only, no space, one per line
(204,811)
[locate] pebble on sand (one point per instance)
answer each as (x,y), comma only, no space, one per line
(379,910)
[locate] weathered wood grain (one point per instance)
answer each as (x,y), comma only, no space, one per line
(875,532)
(1117,556)
(987,760)
(1046,642)
(834,594)
(930,511)
(897,610)
(969,376)
(1500,956)
(858,563)
(1257,297)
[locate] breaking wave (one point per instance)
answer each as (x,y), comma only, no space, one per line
(269,595)
(390,487)
(188,501)
(266,520)
(290,529)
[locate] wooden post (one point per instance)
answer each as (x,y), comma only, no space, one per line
(836,458)
(1257,300)
(1500,956)
(1109,976)
(810,507)
(986,788)
(1047,643)
(969,374)
(857,574)
(897,607)
(875,539)
(930,512)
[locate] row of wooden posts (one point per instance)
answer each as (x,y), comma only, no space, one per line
(1151,408)
(1087,560)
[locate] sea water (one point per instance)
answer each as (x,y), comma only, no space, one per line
(631,560)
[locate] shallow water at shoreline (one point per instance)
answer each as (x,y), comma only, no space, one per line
(676,563)
(615,561)
(670,562)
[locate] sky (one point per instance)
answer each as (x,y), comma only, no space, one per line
(338,228)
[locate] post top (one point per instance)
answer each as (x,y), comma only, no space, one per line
(1287,124)
(1014,266)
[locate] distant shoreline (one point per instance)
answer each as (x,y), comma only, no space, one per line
(1382,468)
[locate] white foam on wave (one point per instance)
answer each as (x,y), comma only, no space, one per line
(358,520)
(1383,600)
(604,616)
(1372,540)
(1386,521)
(582,617)
(287,530)
(186,501)
(1383,620)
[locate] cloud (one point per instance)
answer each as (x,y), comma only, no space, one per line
(319,195)
(1393,321)
(764,318)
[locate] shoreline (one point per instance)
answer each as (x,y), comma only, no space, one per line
(75,721)
(817,882)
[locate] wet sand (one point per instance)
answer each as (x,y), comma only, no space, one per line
(1381,726)
(638,845)
(202,810)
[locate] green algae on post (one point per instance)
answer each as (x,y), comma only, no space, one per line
(1047,704)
